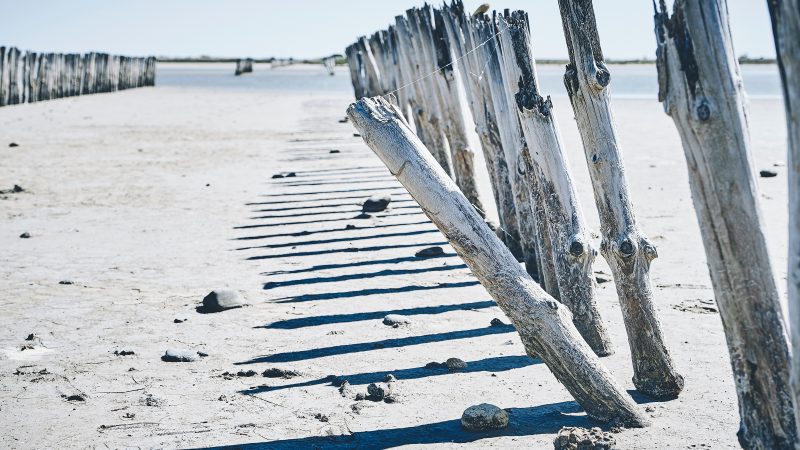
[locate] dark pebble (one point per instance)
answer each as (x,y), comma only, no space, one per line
(220,300)
(274,372)
(435,365)
(768,173)
(25,235)
(124,352)
(179,320)
(363,215)
(602,279)
(179,355)
(430,252)
(497,323)
(65,282)
(277,175)
(455,364)
(344,120)
(376,203)
(334,151)
(13,144)
(356,135)
(350,226)
(75,397)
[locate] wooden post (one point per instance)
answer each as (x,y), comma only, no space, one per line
(460,31)
(330,64)
(13,76)
(461,153)
(786,31)
(544,325)
(573,255)
(624,246)
(700,87)
(370,68)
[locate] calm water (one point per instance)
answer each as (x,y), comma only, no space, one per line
(636,80)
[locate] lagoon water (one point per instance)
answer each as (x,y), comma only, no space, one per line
(629,80)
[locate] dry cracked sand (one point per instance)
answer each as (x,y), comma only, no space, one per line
(139,203)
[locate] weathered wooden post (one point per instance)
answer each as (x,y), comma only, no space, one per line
(460,33)
(786,32)
(700,87)
(544,325)
(330,64)
(13,76)
(573,255)
(373,80)
(624,246)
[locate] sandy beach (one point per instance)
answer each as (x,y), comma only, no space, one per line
(139,203)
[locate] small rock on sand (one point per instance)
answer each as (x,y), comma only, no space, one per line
(350,226)
(768,173)
(179,355)
(75,397)
(179,320)
(15,190)
(66,282)
(345,390)
(484,417)
(376,203)
(497,323)
(335,151)
(275,372)
(363,215)
(430,252)
(602,279)
(13,144)
(375,392)
(277,175)
(124,352)
(395,320)
(221,300)
(455,364)
(344,120)
(577,438)
(356,135)
(435,365)
(25,235)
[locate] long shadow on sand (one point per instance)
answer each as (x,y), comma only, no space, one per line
(344,239)
(541,419)
(373,248)
(334,205)
(341,191)
(346,197)
(355,264)
(322,213)
(492,365)
(361,276)
(327,230)
(306,222)
(373,291)
(302,355)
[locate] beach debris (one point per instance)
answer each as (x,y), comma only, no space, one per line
(436,365)
(13,144)
(350,226)
(321,417)
(220,300)
(497,323)
(66,282)
(239,374)
(345,390)
(179,320)
(25,235)
(376,203)
(128,415)
(455,364)
(278,175)
(32,337)
(275,372)
(577,438)
(395,320)
(768,173)
(480,10)
(284,175)
(74,397)
(124,352)
(356,135)
(389,378)
(699,306)
(179,355)
(430,252)
(14,190)
(335,151)
(363,215)
(602,279)
(376,393)
(484,417)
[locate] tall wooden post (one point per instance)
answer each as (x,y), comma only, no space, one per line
(700,87)
(543,324)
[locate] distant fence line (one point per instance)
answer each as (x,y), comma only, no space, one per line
(28,77)
(244,65)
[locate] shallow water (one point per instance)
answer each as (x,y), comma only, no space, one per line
(629,81)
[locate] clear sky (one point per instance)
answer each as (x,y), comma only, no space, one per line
(313,28)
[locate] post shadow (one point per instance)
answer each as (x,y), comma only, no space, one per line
(359,276)
(294,202)
(327,230)
(344,239)
(322,352)
(372,291)
(344,250)
(324,183)
(322,213)
(341,191)
(306,222)
(334,205)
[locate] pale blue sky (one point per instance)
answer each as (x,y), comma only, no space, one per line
(306,28)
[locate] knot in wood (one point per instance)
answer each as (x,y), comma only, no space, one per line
(602,77)
(627,248)
(577,248)
(703,111)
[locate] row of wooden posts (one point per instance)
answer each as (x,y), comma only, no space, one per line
(243,65)
(27,77)
(430,62)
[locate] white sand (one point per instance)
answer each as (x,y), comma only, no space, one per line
(144,238)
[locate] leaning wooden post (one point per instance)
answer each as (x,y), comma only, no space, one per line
(624,246)
(786,31)
(700,87)
(573,255)
(544,325)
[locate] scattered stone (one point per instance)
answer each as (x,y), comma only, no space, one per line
(376,203)
(202,354)
(649,409)
(395,320)
(334,151)
(698,306)
(334,332)
(344,120)
(768,173)
(277,175)
(179,355)
(321,417)
(430,252)
(361,396)
(363,215)
(497,323)
(389,378)
(128,415)
(435,365)
(25,235)
(132,369)
(246,373)
(484,417)
(149,400)
(66,282)
(357,407)
(15,190)
(27,347)
(223,398)
(75,397)
(350,226)
(376,393)
(455,364)
(124,352)
(275,372)
(602,279)
(577,438)
(179,320)
(32,337)
(356,135)
(13,144)
(345,390)
(220,300)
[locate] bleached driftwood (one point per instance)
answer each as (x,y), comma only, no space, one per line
(573,255)
(373,80)
(460,33)
(422,56)
(511,144)
(624,246)
(786,32)
(544,325)
(701,89)
(243,65)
